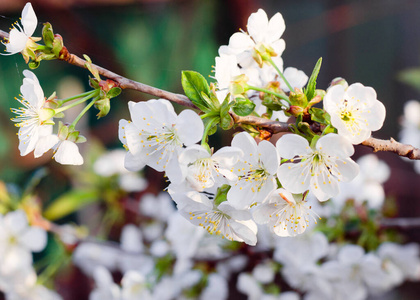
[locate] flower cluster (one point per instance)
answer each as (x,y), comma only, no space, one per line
(18,279)
(228,191)
(310,266)
(35,122)
(253,191)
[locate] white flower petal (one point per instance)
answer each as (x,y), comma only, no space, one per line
(294,177)
(45,143)
(68,154)
(290,145)
(258,25)
(34,239)
(269,156)
(189,127)
(16,221)
(29,19)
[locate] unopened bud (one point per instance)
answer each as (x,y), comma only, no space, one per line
(104,106)
(314,100)
(298,98)
(295,110)
(339,81)
(107,85)
(238,85)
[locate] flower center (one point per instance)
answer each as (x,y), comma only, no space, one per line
(202,171)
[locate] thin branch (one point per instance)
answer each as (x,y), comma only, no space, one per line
(269,125)
(392,145)
(403,223)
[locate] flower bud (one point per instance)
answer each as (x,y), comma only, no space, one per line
(298,98)
(238,85)
(295,110)
(263,52)
(107,85)
(339,81)
(103,106)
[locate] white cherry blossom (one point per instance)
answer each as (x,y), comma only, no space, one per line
(18,240)
(261,32)
(33,119)
(255,170)
(286,214)
(222,219)
(319,169)
(367,185)
(112,163)
(156,134)
(295,77)
(404,257)
(66,151)
(354,111)
(21,37)
(202,170)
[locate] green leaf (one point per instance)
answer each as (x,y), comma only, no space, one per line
(310,88)
(34,64)
(243,107)
(48,35)
(410,77)
(221,195)
(319,115)
(93,82)
(114,92)
(209,102)
(69,203)
(194,84)
(226,121)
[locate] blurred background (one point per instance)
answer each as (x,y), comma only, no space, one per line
(151,41)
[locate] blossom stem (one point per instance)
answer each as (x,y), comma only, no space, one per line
(92,94)
(325,129)
(51,269)
(87,107)
(285,98)
(209,125)
(280,73)
(76,97)
(211,114)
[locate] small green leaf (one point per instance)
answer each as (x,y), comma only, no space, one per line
(114,92)
(319,115)
(194,84)
(410,77)
(310,88)
(209,102)
(48,35)
(57,46)
(243,107)
(226,121)
(93,83)
(91,67)
(69,203)
(34,64)
(221,195)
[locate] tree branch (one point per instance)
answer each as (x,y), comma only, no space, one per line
(392,145)
(271,126)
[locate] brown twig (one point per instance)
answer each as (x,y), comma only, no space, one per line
(272,126)
(392,145)
(402,223)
